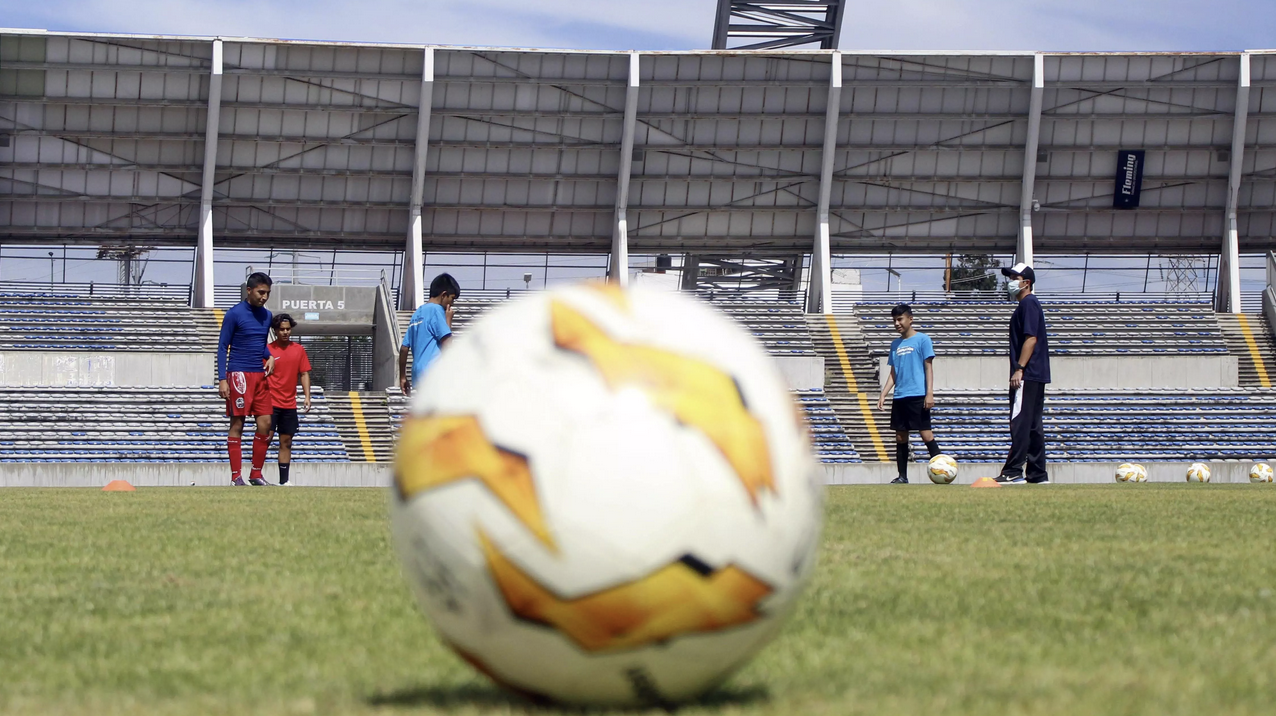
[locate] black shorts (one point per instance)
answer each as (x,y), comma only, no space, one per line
(284,421)
(910,414)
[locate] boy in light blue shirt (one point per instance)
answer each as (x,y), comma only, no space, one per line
(429,330)
(912,378)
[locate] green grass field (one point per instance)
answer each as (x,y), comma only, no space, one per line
(1147,599)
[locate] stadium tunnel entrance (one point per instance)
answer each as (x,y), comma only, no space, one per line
(350,333)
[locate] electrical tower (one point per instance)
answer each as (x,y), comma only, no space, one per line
(778,24)
(1182,273)
(129,260)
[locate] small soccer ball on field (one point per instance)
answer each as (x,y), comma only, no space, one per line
(606,497)
(1131,472)
(942,469)
(1260,472)
(1198,472)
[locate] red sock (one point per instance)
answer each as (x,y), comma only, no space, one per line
(261,443)
(235,450)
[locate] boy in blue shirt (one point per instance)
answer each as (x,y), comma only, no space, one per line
(913,380)
(429,330)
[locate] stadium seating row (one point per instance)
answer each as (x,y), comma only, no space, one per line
(827,436)
(977,327)
(140,425)
(1113,425)
(779,325)
(56,321)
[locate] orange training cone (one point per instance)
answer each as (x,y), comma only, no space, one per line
(119,486)
(986,482)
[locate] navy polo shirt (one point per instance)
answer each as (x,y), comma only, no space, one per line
(1030,320)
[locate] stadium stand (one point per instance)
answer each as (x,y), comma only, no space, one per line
(139,425)
(1109,425)
(68,322)
(1076,327)
(779,324)
(827,435)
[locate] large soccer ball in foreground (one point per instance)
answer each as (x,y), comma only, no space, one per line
(1198,472)
(1260,472)
(1131,472)
(606,497)
(942,469)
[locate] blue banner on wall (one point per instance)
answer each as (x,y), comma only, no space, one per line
(1129,179)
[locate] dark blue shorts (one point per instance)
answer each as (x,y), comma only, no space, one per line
(284,421)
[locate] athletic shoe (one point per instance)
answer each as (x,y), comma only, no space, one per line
(1011,480)
(1044,481)
(259,482)
(239,482)
(901,480)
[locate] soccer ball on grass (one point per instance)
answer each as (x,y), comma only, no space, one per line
(1198,472)
(1131,472)
(1260,472)
(606,496)
(942,469)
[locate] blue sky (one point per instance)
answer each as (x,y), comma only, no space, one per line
(677,24)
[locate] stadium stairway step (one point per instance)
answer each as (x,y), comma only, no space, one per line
(850,384)
(363,423)
(1257,362)
(208,324)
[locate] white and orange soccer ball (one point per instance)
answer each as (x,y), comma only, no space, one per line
(1260,472)
(606,497)
(1198,472)
(1131,472)
(942,469)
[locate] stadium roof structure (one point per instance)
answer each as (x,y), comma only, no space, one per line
(251,142)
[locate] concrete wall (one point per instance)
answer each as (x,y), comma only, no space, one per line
(802,372)
(113,368)
(385,342)
(1066,473)
(304,474)
(992,372)
(1269,308)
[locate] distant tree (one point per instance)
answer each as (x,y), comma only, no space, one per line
(975,272)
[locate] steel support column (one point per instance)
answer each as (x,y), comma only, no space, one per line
(620,226)
(819,297)
(202,280)
(412,289)
(1228,298)
(1023,248)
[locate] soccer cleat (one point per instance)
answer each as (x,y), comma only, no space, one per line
(239,482)
(901,480)
(259,482)
(1042,481)
(1010,480)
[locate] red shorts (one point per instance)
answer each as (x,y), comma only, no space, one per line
(249,394)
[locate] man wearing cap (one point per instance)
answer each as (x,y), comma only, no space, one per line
(1029,373)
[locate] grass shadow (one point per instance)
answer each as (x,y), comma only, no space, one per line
(478,695)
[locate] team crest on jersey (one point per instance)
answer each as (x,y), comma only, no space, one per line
(239,403)
(239,381)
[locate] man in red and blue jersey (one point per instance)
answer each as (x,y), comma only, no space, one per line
(241,376)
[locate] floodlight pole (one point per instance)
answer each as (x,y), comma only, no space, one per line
(620,225)
(1228,298)
(412,288)
(202,295)
(819,297)
(1023,250)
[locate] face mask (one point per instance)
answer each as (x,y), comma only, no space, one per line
(1014,287)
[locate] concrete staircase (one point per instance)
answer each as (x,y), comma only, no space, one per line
(363,421)
(851,384)
(1257,361)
